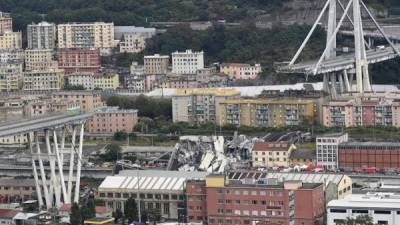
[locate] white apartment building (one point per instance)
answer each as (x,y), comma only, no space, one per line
(11,55)
(383,208)
(10,40)
(11,76)
(132,43)
(98,35)
(187,62)
(327,149)
(81,78)
(5,22)
(41,35)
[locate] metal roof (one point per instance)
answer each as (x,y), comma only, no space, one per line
(368,201)
(150,180)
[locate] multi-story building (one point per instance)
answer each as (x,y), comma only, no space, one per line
(200,105)
(16,190)
(45,106)
(84,79)
(303,156)
(11,55)
(361,112)
(11,76)
(241,71)
(5,22)
(220,201)
(178,82)
(135,83)
(379,155)
(383,208)
(112,119)
(132,43)
(39,59)
(79,60)
(98,35)
(327,149)
(187,62)
(106,81)
(268,112)
(10,40)
(271,154)
(88,100)
(41,35)
(155,189)
(44,80)
(156,64)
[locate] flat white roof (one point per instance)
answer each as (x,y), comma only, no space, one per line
(150,180)
(368,201)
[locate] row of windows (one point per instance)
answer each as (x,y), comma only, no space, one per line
(141,195)
(246,192)
(252,202)
(363,211)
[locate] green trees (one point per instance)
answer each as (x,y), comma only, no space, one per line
(359,220)
(75,216)
(113,153)
(131,210)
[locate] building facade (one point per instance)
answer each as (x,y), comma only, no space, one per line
(41,35)
(44,80)
(355,156)
(156,189)
(111,120)
(272,154)
(10,40)
(187,62)
(15,190)
(97,35)
(362,113)
(13,55)
(327,147)
(5,22)
(39,59)
(384,208)
(241,71)
(132,43)
(267,112)
(79,60)
(89,101)
(217,201)
(156,64)
(84,79)
(106,81)
(199,105)
(11,76)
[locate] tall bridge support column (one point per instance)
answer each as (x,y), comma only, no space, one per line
(57,190)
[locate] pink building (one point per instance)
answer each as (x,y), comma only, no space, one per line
(79,60)
(241,71)
(112,119)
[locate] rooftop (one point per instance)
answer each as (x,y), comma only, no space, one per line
(330,135)
(115,110)
(370,144)
(271,146)
(10,182)
(8,213)
(303,154)
(217,92)
(151,180)
(372,200)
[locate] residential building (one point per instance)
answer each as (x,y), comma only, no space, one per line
(10,40)
(241,71)
(44,80)
(112,119)
(79,60)
(355,156)
(135,83)
(152,189)
(14,140)
(271,112)
(39,59)
(327,149)
(384,208)
(178,82)
(97,35)
(11,76)
(12,108)
(7,216)
(364,112)
(272,154)
(11,55)
(187,62)
(204,75)
(46,106)
(156,64)
(85,79)
(41,35)
(89,101)
(136,69)
(5,22)
(106,81)
(302,157)
(132,43)
(16,190)
(199,105)
(218,200)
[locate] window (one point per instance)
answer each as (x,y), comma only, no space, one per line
(382,212)
(360,211)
